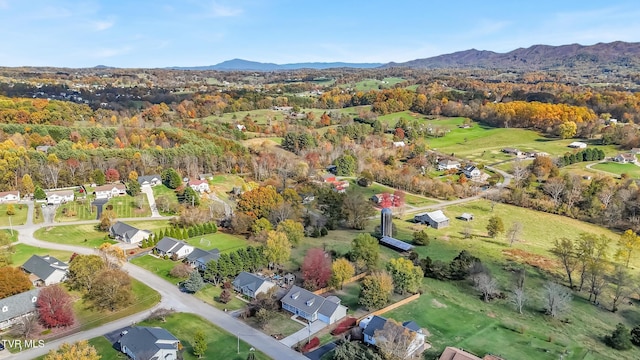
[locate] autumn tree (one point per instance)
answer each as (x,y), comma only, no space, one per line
(111,290)
(181,271)
(495,226)
(357,210)
(406,276)
(113,255)
(259,202)
(394,340)
(112,175)
(55,307)
(77,351)
(26,185)
(13,281)
(627,244)
(293,229)
(341,270)
(565,250)
(107,219)
(199,344)
(366,248)
(316,269)
(278,248)
(83,270)
(376,290)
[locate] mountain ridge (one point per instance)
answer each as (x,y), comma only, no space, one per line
(247,65)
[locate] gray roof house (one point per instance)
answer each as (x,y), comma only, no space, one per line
(45,270)
(149,343)
(173,247)
(199,258)
(14,308)
(127,233)
(313,307)
(151,180)
(435,219)
(372,324)
(251,285)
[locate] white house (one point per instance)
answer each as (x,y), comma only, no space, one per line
(150,180)
(110,190)
(59,197)
(127,233)
(625,158)
(14,308)
(251,285)
(45,270)
(471,172)
(448,165)
(173,248)
(145,343)
(312,307)
(9,196)
(577,145)
(200,186)
(373,325)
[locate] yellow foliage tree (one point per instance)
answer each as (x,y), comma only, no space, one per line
(77,351)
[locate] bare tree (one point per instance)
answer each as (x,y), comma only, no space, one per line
(606,196)
(467,231)
(557,299)
(514,232)
(519,172)
(394,340)
(486,284)
(518,298)
(26,326)
(554,187)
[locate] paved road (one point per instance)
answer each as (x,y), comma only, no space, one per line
(146,189)
(171,298)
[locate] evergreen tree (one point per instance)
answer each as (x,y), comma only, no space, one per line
(199,344)
(620,339)
(194,283)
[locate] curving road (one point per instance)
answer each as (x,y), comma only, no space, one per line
(172,298)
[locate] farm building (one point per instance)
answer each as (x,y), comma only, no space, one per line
(578,145)
(512,151)
(466,217)
(435,219)
(395,244)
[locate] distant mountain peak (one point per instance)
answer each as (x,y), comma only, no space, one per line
(247,65)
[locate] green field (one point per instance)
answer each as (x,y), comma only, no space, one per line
(616,168)
(210,295)
(13,235)
(222,241)
(23,252)
(373,84)
(77,234)
(160,267)
(106,350)
(19,218)
(455,316)
(124,206)
(220,344)
(75,211)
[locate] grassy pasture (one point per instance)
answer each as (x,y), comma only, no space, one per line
(373,84)
(455,316)
(376,188)
(222,241)
(19,218)
(617,168)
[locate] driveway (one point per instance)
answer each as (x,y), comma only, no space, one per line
(146,189)
(99,203)
(319,352)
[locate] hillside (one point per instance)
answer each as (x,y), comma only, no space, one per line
(538,57)
(240,65)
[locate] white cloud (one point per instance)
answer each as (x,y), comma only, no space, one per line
(101,25)
(218,10)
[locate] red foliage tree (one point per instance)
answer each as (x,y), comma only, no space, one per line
(54,307)
(386,201)
(112,175)
(399,134)
(398,198)
(316,268)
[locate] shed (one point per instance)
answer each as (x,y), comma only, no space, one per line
(395,244)
(466,217)
(435,219)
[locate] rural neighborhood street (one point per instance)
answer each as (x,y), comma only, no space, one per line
(172,298)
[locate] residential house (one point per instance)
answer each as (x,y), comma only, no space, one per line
(150,180)
(395,244)
(471,172)
(448,164)
(241,127)
(451,353)
(577,145)
(59,197)
(399,144)
(174,248)
(9,196)
(329,178)
(312,307)
(127,233)
(625,158)
(45,270)
(110,190)
(206,176)
(251,285)
(200,186)
(435,219)
(14,308)
(199,258)
(371,325)
(379,198)
(635,151)
(147,343)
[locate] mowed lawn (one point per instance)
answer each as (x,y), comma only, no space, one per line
(631,170)
(76,211)
(22,253)
(158,266)
(222,241)
(13,235)
(454,314)
(18,218)
(211,294)
(220,344)
(87,234)
(124,206)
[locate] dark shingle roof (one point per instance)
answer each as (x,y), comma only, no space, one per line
(43,266)
(123,229)
(248,281)
(166,244)
(142,341)
(376,323)
(203,256)
(303,300)
(18,305)
(411,325)
(148,178)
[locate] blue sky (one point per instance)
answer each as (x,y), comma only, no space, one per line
(161,33)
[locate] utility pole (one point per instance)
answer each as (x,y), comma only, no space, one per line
(10,225)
